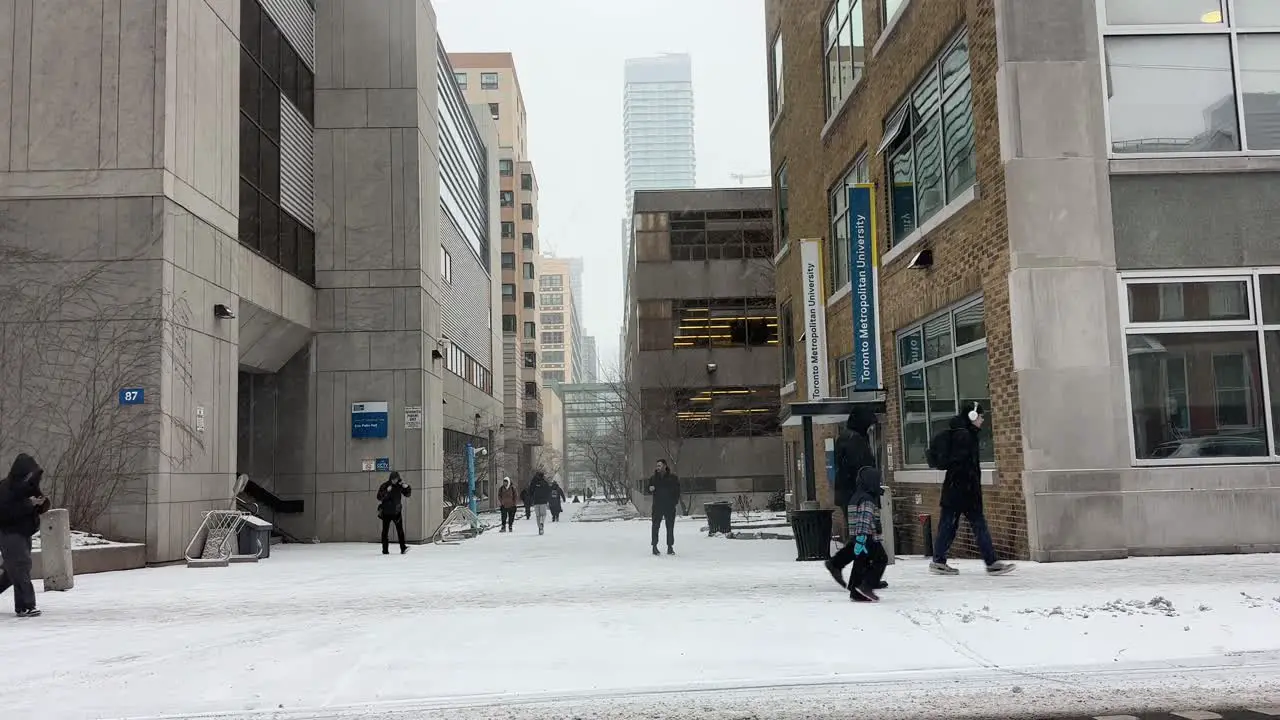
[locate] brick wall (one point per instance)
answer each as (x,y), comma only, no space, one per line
(970,250)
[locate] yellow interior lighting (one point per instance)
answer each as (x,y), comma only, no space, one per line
(1213,17)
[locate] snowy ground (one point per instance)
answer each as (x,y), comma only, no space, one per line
(78,539)
(584,623)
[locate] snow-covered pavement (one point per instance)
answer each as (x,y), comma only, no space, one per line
(583,622)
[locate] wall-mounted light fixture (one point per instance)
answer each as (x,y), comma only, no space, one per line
(436,354)
(711,368)
(223,312)
(923,260)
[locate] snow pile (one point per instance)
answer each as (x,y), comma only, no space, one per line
(78,539)
(606,511)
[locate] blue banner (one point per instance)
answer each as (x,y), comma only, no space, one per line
(863,259)
(369,420)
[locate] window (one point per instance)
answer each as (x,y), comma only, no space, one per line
(509,323)
(530,331)
(838,257)
(528,300)
(531,358)
(1203,360)
(722,235)
(942,366)
(530,389)
(531,420)
(551,282)
(1172,73)
(775,76)
(553,357)
(526,211)
(552,299)
(553,376)
(506,168)
(493,111)
(461,79)
(780,202)
(446,265)
(508,261)
(552,319)
(714,412)
(526,182)
(508,229)
(788,344)
(891,8)
(552,338)
(929,143)
(846,52)
(526,240)
(489,81)
(734,322)
(508,292)
(529,271)
(507,198)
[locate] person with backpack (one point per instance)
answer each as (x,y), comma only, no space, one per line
(391,496)
(956,451)
(853,454)
(507,498)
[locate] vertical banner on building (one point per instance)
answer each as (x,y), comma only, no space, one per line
(816,384)
(864,260)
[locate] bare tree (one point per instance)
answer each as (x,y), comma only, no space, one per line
(75,336)
(603,452)
(551,462)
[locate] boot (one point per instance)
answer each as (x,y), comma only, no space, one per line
(655,550)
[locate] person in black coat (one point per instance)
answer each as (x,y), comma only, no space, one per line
(391,495)
(556,503)
(853,454)
(962,494)
(540,494)
(527,499)
(21,505)
(664,487)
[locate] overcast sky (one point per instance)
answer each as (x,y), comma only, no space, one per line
(569,56)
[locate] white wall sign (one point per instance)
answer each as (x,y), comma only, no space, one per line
(413,417)
(814,312)
(368,464)
(199,418)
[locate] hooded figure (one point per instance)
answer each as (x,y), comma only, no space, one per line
(857,482)
(508,499)
(21,505)
(962,494)
(540,494)
(853,452)
(391,507)
(555,504)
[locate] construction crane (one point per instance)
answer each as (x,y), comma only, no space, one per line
(743,177)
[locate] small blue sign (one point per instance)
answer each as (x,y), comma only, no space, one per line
(132,396)
(382,464)
(369,420)
(863,260)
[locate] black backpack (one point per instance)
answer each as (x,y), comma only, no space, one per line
(939,450)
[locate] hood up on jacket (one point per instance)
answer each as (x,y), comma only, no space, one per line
(870,486)
(861,420)
(25,467)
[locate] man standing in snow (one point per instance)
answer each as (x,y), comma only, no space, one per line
(664,487)
(540,494)
(390,508)
(962,492)
(21,505)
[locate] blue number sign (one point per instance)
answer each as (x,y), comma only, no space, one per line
(132,396)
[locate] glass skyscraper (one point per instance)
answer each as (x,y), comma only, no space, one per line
(657,124)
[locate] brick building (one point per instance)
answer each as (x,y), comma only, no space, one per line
(1040,224)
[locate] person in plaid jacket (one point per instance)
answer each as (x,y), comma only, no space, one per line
(866,531)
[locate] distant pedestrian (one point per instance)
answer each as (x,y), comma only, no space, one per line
(540,495)
(391,495)
(867,542)
(555,505)
(853,456)
(507,498)
(664,488)
(21,505)
(957,452)
(527,500)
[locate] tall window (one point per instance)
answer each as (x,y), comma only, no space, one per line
(508,292)
(446,266)
(1203,374)
(846,51)
(526,182)
(489,81)
(788,336)
(493,111)
(530,331)
(528,300)
(942,366)
(531,358)
(526,241)
(529,271)
(461,79)
(526,211)
(508,229)
(506,168)
(1196,76)
(929,142)
(725,322)
(775,76)
(507,198)
(781,201)
(838,257)
(508,261)
(509,323)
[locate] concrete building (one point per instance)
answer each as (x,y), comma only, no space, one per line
(560,344)
(590,360)
(264,234)
(701,344)
(490,80)
(550,455)
(1009,201)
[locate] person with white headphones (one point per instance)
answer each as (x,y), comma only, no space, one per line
(962,492)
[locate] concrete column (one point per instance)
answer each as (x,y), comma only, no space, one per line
(55,550)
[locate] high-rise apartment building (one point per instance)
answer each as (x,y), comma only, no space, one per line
(558,301)
(657,127)
(270,252)
(590,360)
(490,80)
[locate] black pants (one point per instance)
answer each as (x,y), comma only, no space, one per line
(667,515)
(508,518)
(387,520)
(16,552)
(528,511)
(869,567)
(555,514)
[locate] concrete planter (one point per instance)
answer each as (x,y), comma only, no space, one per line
(97,559)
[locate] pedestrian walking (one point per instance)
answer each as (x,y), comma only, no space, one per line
(956,451)
(867,542)
(507,497)
(391,495)
(853,456)
(556,504)
(527,499)
(540,495)
(21,505)
(664,488)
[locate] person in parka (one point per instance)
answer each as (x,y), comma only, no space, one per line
(391,496)
(540,495)
(508,498)
(556,503)
(962,493)
(21,504)
(853,457)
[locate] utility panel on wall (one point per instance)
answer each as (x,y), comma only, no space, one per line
(369,420)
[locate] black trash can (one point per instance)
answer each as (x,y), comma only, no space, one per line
(719,517)
(255,533)
(812,529)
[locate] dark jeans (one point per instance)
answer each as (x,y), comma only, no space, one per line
(667,515)
(528,511)
(949,525)
(508,517)
(869,567)
(16,552)
(398,520)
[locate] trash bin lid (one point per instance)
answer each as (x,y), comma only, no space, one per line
(256,522)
